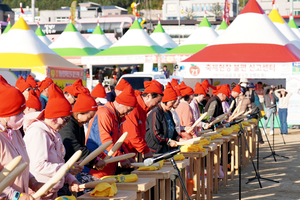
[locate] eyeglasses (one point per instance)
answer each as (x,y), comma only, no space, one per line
(66,119)
(28,89)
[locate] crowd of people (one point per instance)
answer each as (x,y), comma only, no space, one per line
(46,125)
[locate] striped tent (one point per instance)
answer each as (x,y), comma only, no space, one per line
(135,41)
(198,40)
(72,43)
(222,28)
(42,36)
(292,24)
(162,38)
(252,37)
(284,28)
(99,40)
(8,27)
(22,49)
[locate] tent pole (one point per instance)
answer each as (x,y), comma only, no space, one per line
(90,67)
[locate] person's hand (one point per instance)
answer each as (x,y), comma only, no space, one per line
(206,126)
(125,164)
(186,135)
(191,131)
(148,155)
(74,187)
(182,140)
(100,165)
(76,168)
(24,196)
(173,143)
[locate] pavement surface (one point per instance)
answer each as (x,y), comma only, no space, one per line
(286,171)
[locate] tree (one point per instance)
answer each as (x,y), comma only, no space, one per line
(217,9)
(189,14)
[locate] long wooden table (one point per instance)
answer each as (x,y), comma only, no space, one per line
(121,195)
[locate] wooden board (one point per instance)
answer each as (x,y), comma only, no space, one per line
(211,147)
(199,154)
(141,185)
(218,141)
(121,195)
(163,173)
(180,164)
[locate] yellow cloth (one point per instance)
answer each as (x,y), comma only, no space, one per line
(151,167)
(245,123)
(104,190)
(253,120)
(262,113)
(205,141)
(66,198)
(226,131)
(179,157)
(192,148)
(212,137)
(123,178)
(236,127)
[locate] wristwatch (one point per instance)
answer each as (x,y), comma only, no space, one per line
(17,195)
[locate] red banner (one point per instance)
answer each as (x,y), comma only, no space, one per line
(226,11)
(64,73)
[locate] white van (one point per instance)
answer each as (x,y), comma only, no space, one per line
(137,79)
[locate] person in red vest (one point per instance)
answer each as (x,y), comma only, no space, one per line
(135,123)
(105,126)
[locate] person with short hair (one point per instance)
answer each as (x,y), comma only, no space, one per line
(284,97)
(234,94)
(44,144)
(135,123)
(260,91)
(99,94)
(185,112)
(166,71)
(71,91)
(270,104)
(33,103)
(161,135)
(105,126)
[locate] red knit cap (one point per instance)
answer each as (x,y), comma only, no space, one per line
(33,101)
(206,85)
(31,81)
(237,88)
(38,92)
(45,83)
(152,87)
(127,97)
(199,89)
(84,103)
(121,85)
(169,94)
(99,91)
(137,93)
(21,84)
(78,82)
(3,80)
(12,100)
(221,89)
(185,90)
(174,83)
(177,91)
(57,105)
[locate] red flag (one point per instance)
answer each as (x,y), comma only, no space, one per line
(226,11)
(22,11)
(205,12)
(273,3)
(8,18)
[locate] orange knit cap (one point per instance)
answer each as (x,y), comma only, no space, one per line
(199,89)
(33,101)
(21,84)
(169,94)
(99,91)
(127,97)
(84,103)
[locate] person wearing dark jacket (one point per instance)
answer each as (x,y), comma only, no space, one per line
(270,104)
(73,135)
(161,135)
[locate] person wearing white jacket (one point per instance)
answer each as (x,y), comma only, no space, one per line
(284,97)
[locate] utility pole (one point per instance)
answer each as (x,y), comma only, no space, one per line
(291,7)
(33,10)
(179,18)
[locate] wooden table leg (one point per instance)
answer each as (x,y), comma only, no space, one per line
(211,173)
(202,178)
(236,157)
(198,171)
(225,162)
(208,178)
(147,195)
(232,150)
(168,188)
(243,152)
(156,190)
(217,168)
(162,189)
(139,195)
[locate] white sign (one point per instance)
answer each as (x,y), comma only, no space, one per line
(235,70)
(113,60)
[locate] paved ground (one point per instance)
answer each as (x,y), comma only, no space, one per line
(286,171)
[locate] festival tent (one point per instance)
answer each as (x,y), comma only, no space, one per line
(8,27)
(222,28)
(280,23)
(251,47)
(197,41)
(99,40)
(135,47)
(22,49)
(72,43)
(292,24)
(42,36)
(162,38)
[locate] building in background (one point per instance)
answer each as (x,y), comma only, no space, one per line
(28,14)
(5,10)
(195,9)
(113,10)
(283,6)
